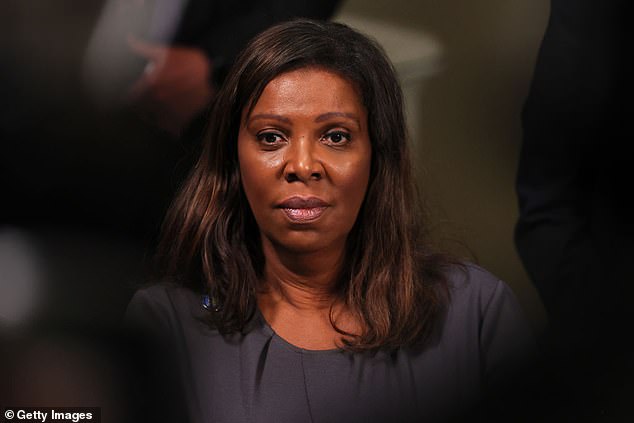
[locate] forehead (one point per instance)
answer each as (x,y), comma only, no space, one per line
(308,90)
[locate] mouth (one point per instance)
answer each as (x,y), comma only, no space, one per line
(303,209)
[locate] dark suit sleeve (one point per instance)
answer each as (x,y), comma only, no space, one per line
(565,142)
(232,25)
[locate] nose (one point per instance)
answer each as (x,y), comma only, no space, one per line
(302,163)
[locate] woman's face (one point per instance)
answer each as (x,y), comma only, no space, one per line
(304,154)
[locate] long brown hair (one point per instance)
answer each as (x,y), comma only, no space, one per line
(391,280)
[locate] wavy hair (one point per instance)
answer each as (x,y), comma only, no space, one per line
(391,280)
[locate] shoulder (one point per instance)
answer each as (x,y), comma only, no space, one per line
(474,286)
(486,310)
(162,307)
(476,295)
(160,297)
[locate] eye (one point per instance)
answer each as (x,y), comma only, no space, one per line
(336,137)
(270,138)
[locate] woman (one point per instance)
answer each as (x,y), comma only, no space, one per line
(301,287)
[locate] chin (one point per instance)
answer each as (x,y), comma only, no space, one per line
(305,242)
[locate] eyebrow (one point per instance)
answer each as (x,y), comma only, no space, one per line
(269,116)
(320,118)
(331,115)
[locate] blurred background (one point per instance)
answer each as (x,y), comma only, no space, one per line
(100,117)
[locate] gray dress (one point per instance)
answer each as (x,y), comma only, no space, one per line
(260,377)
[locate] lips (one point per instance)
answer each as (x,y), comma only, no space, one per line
(303,209)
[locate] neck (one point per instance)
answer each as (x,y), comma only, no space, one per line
(299,297)
(305,281)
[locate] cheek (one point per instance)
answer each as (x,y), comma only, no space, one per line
(248,173)
(353,180)
(258,174)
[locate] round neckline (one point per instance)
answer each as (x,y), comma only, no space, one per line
(271,332)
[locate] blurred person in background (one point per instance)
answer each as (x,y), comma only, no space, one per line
(575,229)
(185,46)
